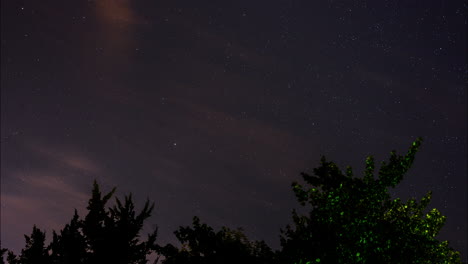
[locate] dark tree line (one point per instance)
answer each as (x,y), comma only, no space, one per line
(351,220)
(105,235)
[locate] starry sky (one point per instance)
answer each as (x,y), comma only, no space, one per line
(214,108)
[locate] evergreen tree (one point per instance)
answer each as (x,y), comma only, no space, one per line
(93,226)
(35,250)
(2,254)
(70,245)
(354,220)
(12,258)
(112,236)
(105,236)
(123,227)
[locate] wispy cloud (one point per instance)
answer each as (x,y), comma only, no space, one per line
(46,193)
(42,199)
(70,159)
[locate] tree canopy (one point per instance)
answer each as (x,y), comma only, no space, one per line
(350,220)
(202,245)
(354,220)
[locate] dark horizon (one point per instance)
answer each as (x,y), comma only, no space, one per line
(213,110)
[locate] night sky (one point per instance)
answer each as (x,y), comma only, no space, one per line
(213,109)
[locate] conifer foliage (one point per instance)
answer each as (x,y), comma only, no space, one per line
(105,235)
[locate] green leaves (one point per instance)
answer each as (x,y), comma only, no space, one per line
(391,173)
(369,171)
(353,220)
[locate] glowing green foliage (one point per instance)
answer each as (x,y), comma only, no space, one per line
(369,173)
(354,220)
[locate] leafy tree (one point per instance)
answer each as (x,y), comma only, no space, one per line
(201,244)
(354,220)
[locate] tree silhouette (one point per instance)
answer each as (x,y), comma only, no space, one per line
(104,236)
(112,235)
(354,220)
(123,232)
(35,250)
(351,220)
(2,254)
(12,258)
(93,226)
(70,245)
(201,244)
